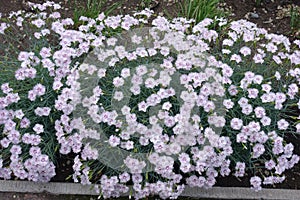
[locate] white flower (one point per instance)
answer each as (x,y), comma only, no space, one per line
(101,72)
(252,93)
(298,128)
(258,150)
(118,95)
(247,109)
(166,106)
(245,51)
(266,87)
(111,41)
(258,79)
(150,83)
(236,123)
(141,70)
(254,126)
(38,128)
(218,121)
(142,106)
(236,58)
(282,124)
(118,81)
(125,110)
(228,103)
(174,148)
(280,97)
(135,89)
(125,72)
(277,75)
(169,121)
(232,90)
(259,112)
(42,111)
(265,121)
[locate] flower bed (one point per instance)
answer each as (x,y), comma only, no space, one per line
(155,106)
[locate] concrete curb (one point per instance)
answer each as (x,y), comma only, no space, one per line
(52,187)
(213,193)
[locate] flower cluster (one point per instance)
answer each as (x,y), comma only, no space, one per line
(157,108)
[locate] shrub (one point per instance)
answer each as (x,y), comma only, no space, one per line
(146,110)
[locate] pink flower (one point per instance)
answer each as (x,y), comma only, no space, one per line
(298,128)
(35,139)
(35,151)
(277,59)
(5,142)
(3,27)
(5,88)
(256,183)
(270,164)
(43,160)
(114,141)
(241,138)
(258,79)
(19,114)
(169,121)
(240,169)
(124,177)
(16,150)
(25,122)
(26,138)
(57,85)
(258,150)
(232,90)
(39,89)
(14,136)
(228,42)
(135,89)
(20,74)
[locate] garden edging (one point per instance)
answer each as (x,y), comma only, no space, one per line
(212,193)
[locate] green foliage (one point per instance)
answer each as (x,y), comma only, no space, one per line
(295,18)
(200,9)
(258,2)
(145,4)
(92,9)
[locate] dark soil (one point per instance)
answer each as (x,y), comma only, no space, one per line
(272,15)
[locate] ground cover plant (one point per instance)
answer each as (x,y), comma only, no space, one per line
(147,108)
